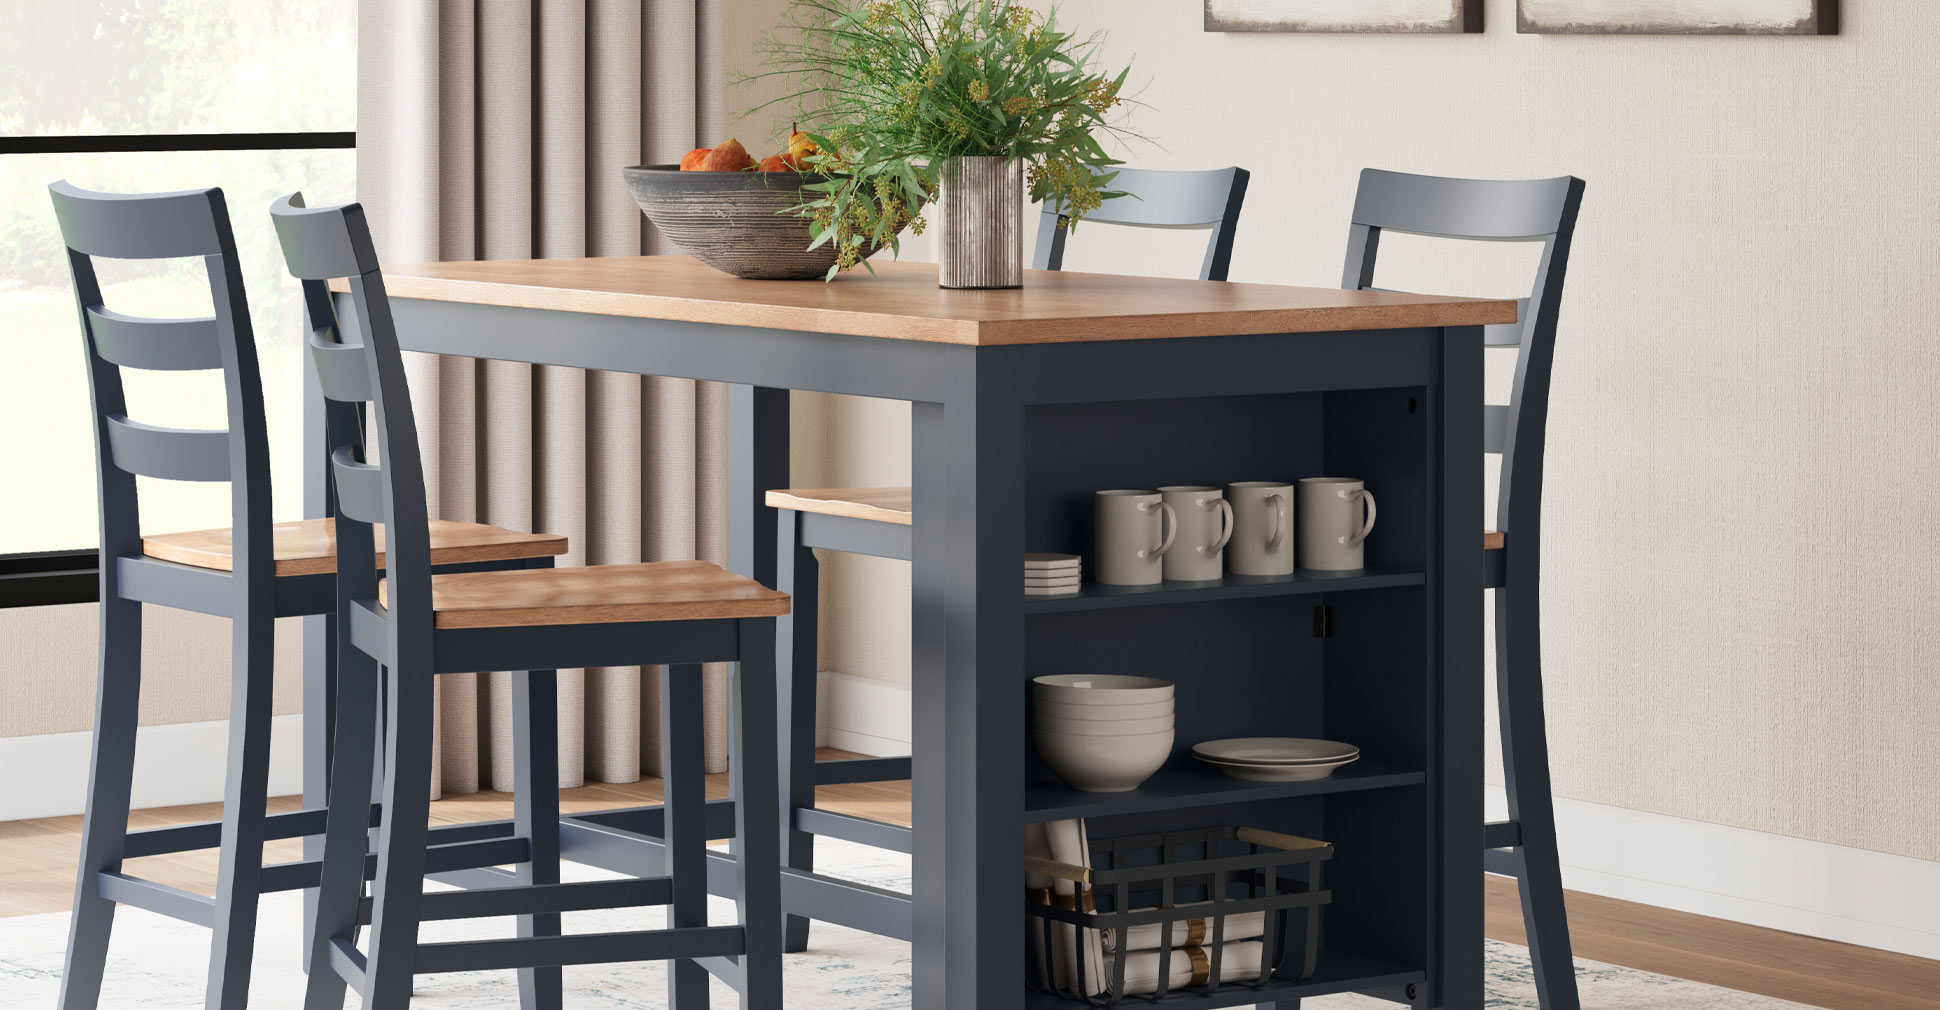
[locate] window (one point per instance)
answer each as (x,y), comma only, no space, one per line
(148,96)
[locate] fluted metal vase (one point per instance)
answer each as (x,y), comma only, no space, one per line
(979,223)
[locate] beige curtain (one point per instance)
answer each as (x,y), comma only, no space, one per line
(497,130)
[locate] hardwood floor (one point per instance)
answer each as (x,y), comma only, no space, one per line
(37,875)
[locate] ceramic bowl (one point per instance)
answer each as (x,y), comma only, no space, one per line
(1103,764)
(1111,713)
(735,222)
(1100,689)
(1104,727)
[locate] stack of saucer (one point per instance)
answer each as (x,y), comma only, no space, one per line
(1052,574)
(1276,758)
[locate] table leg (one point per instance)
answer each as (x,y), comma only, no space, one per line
(968,695)
(757,463)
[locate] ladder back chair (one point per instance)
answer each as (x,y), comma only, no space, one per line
(416,625)
(1524,846)
(252,572)
(876,521)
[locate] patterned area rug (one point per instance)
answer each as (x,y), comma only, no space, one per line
(157,964)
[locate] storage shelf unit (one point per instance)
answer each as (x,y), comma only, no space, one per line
(1097,596)
(1185,782)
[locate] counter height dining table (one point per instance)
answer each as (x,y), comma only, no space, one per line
(1024,402)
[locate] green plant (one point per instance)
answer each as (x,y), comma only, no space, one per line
(894,88)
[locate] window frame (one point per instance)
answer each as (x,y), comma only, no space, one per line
(49,578)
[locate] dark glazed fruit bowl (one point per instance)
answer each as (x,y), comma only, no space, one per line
(735,222)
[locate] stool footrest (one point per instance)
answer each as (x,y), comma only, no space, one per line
(581,948)
(847,903)
(1501,835)
(860,830)
(158,898)
(853,770)
(542,899)
(437,859)
(348,962)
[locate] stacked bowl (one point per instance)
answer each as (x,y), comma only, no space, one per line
(1102,733)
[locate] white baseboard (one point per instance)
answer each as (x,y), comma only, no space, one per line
(47,776)
(863,714)
(1801,886)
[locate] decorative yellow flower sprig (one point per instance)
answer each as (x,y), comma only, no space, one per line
(898,87)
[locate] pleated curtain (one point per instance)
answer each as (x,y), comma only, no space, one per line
(497,130)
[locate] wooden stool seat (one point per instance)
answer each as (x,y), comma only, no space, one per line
(600,594)
(892,505)
(309,546)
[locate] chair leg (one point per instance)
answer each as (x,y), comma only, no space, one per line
(341,881)
(104,830)
(683,771)
(1525,760)
(535,816)
(757,808)
(244,799)
(398,891)
(797,574)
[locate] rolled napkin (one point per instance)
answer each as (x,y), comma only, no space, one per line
(1195,932)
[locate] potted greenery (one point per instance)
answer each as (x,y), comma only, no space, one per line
(962,102)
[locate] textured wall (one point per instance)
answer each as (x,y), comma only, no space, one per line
(1742,466)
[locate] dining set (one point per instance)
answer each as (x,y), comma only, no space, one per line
(1024,403)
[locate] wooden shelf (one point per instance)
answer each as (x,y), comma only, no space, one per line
(1337,971)
(1186,782)
(1095,596)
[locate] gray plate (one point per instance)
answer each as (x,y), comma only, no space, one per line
(1275,750)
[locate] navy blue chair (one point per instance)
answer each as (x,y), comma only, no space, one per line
(252,572)
(416,625)
(1543,210)
(876,521)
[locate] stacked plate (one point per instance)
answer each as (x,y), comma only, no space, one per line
(1052,574)
(1276,758)
(1102,734)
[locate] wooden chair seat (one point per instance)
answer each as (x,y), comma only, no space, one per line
(309,546)
(892,505)
(599,594)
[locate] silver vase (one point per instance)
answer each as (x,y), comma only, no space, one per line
(979,223)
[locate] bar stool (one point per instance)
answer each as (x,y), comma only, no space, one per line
(263,572)
(1524,846)
(876,522)
(417,625)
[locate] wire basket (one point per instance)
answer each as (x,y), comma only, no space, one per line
(1179,914)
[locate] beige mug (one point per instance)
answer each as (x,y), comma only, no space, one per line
(1135,529)
(1332,527)
(1262,541)
(1205,524)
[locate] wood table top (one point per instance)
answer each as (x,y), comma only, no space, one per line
(902,302)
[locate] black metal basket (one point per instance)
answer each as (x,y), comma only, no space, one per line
(1198,880)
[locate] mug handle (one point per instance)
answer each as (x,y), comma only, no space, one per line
(1169,528)
(1277,502)
(1355,540)
(1226,534)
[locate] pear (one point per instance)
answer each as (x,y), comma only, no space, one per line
(729,157)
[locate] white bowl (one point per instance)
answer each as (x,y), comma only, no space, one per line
(1103,764)
(1100,689)
(1111,713)
(1104,727)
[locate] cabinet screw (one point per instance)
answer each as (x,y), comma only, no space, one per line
(1411,991)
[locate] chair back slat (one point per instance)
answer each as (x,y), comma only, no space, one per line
(141,226)
(170,345)
(148,450)
(360,487)
(1539,210)
(342,372)
(1485,209)
(1160,199)
(1495,427)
